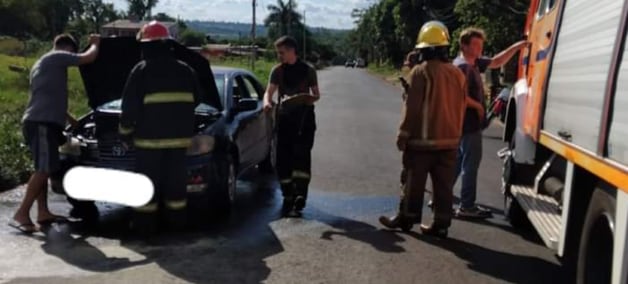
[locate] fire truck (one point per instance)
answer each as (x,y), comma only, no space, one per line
(565,169)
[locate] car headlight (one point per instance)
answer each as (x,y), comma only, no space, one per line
(201,144)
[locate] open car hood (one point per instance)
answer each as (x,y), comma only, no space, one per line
(104,79)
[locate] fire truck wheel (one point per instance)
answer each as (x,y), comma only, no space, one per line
(514,213)
(595,257)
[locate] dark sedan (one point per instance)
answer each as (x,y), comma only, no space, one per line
(234,133)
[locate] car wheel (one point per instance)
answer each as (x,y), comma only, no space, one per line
(226,187)
(514,213)
(595,258)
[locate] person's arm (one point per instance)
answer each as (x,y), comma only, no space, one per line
(268,96)
(503,57)
(470,102)
(273,85)
(410,108)
(90,55)
(313,82)
(477,106)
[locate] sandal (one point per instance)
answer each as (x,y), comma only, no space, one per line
(55,219)
(26,228)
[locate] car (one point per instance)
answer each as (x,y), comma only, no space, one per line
(350,63)
(360,63)
(233,132)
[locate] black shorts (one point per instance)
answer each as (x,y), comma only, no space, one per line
(43,140)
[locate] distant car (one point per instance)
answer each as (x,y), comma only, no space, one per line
(233,131)
(360,63)
(350,63)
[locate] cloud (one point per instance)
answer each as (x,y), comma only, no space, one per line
(319,13)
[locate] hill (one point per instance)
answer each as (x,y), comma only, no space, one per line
(229,30)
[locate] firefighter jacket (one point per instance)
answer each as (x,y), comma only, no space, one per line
(158,104)
(433,113)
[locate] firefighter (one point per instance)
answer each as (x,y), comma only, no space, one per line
(296,124)
(158,114)
(430,130)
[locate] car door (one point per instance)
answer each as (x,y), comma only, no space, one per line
(247,122)
(262,131)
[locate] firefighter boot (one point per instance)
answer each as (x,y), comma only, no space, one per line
(395,222)
(301,189)
(287,189)
(434,230)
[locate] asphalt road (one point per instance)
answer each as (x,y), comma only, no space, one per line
(338,240)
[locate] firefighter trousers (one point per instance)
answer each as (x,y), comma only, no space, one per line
(439,165)
(295,139)
(166,168)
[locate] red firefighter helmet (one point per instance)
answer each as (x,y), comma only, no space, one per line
(154,31)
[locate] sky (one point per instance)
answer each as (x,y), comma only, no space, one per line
(319,13)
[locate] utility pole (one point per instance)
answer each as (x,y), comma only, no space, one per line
(253,27)
(304,37)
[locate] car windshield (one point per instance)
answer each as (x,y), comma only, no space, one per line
(201,108)
(220,84)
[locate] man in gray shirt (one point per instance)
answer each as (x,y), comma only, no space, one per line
(44,120)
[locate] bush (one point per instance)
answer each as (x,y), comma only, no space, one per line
(15,163)
(192,38)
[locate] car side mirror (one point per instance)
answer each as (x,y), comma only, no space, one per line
(246,105)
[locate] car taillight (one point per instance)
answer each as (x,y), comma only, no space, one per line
(195,180)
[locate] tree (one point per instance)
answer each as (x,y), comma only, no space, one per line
(141,8)
(97,13)
(502,21)
(282,19)
(192,38)
(388,29)
(163,17)
(19,19)
(57,14)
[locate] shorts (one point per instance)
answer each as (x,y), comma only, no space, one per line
(43,141)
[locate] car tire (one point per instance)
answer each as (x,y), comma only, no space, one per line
(226,187)
(595,257)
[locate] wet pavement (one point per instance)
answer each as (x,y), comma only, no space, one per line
(338,239)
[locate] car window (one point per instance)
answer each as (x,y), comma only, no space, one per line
(240,90)
(540,12)
(251,87)
(220,85)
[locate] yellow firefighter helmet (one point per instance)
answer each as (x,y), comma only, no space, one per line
(432,34)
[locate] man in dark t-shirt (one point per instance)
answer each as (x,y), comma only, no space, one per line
(472,64)
(296,123)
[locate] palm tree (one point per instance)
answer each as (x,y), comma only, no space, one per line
(283,18)
(141,8)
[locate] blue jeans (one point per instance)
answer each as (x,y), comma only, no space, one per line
(469,157)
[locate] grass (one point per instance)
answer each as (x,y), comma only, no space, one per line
(15,163)
(386,72)
(262,66)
